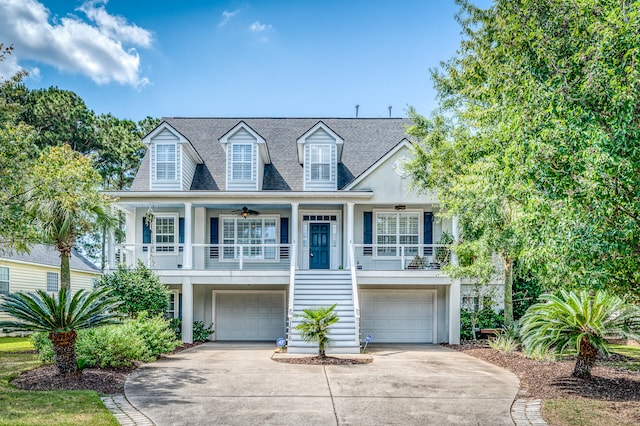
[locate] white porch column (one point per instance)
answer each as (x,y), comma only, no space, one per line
(454,294)
(130,227)
(187,310)
(350,232)
(111,253)
(187,262)
(294,229)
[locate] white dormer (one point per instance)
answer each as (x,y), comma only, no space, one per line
(320,151)
(247,155)
(173,159)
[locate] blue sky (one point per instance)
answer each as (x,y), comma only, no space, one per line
(233,58)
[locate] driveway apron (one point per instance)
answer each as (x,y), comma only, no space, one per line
(239,384)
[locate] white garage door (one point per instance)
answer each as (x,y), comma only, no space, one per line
(398,316)
(250,316)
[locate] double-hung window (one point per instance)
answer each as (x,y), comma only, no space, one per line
(242,162)
(52,281)
(397,233)
(255,238)
(320,162)
(165,234)
(4,280)
(165,161)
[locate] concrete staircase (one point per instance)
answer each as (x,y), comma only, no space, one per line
(315,288)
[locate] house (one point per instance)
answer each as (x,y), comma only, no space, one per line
(250,220)
(40,270)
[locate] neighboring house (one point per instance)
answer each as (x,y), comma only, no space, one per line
(248,221)
(40,270)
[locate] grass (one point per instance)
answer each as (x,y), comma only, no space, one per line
(632,352)
(582,412)
(19,407)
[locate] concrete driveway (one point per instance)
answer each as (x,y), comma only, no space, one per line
(236,384)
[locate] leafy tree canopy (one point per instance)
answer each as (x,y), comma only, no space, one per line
(139,289)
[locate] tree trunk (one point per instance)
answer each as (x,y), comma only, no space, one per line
(321,348)
(65,271)
(586,359)
(508,292)
(103,253)
(64,346)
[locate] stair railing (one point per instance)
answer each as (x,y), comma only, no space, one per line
(354,290)
(292,282)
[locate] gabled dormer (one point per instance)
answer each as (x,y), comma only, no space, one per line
(319,152)
(173,159)
(247,155)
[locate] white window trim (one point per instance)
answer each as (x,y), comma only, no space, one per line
(236,258)
(176,303)
(321,147)
(57,275)
(253,163)
(175,162)
(420,214)
(8,279)
(176,235)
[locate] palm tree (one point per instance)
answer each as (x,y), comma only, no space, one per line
(315,326)
(60,317)
(578,323)
(66,204)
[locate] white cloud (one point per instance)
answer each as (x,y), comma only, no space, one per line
(226,17)
(95,48)
(258,27)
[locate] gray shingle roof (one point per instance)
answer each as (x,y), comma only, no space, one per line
(43,254)
(366,140)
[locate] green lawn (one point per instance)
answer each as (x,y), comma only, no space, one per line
(582,412)
(628,351)
(18,407)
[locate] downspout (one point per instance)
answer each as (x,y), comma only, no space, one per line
(354,290)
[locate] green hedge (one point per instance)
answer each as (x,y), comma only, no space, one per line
(120,345)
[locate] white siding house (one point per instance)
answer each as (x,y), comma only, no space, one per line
(280,214)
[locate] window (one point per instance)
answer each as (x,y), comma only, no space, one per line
(4,280)
(165,162)
(320,162)
(252,234)
(174,304)
(52,281)
(395,230)
(242,162)
(165,234)
(471,303)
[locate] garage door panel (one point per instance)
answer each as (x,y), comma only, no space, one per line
(398,317)
(249,316)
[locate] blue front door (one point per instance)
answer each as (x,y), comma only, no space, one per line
(319,248)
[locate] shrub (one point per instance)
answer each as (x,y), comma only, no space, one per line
(139,289)
(156,333)
(504,343)
(486,318)
(112,346)
(43,345)
(200,332)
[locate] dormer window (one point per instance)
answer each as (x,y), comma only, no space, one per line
(166,162)
(247,155)
(320,162)
(241,163)
(319,152)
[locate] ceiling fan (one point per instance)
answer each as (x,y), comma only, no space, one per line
(244,212)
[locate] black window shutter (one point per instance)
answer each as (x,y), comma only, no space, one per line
(146,234)
(213,237)
(428,232)
(181,231)
(284,237)
(367,236)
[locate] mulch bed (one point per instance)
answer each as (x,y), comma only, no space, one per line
(552,380)
(316,360)
(101,380)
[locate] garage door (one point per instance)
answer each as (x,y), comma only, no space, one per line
(250,316)
(398,316)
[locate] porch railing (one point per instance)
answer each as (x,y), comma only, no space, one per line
(385,257)
(206,256)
